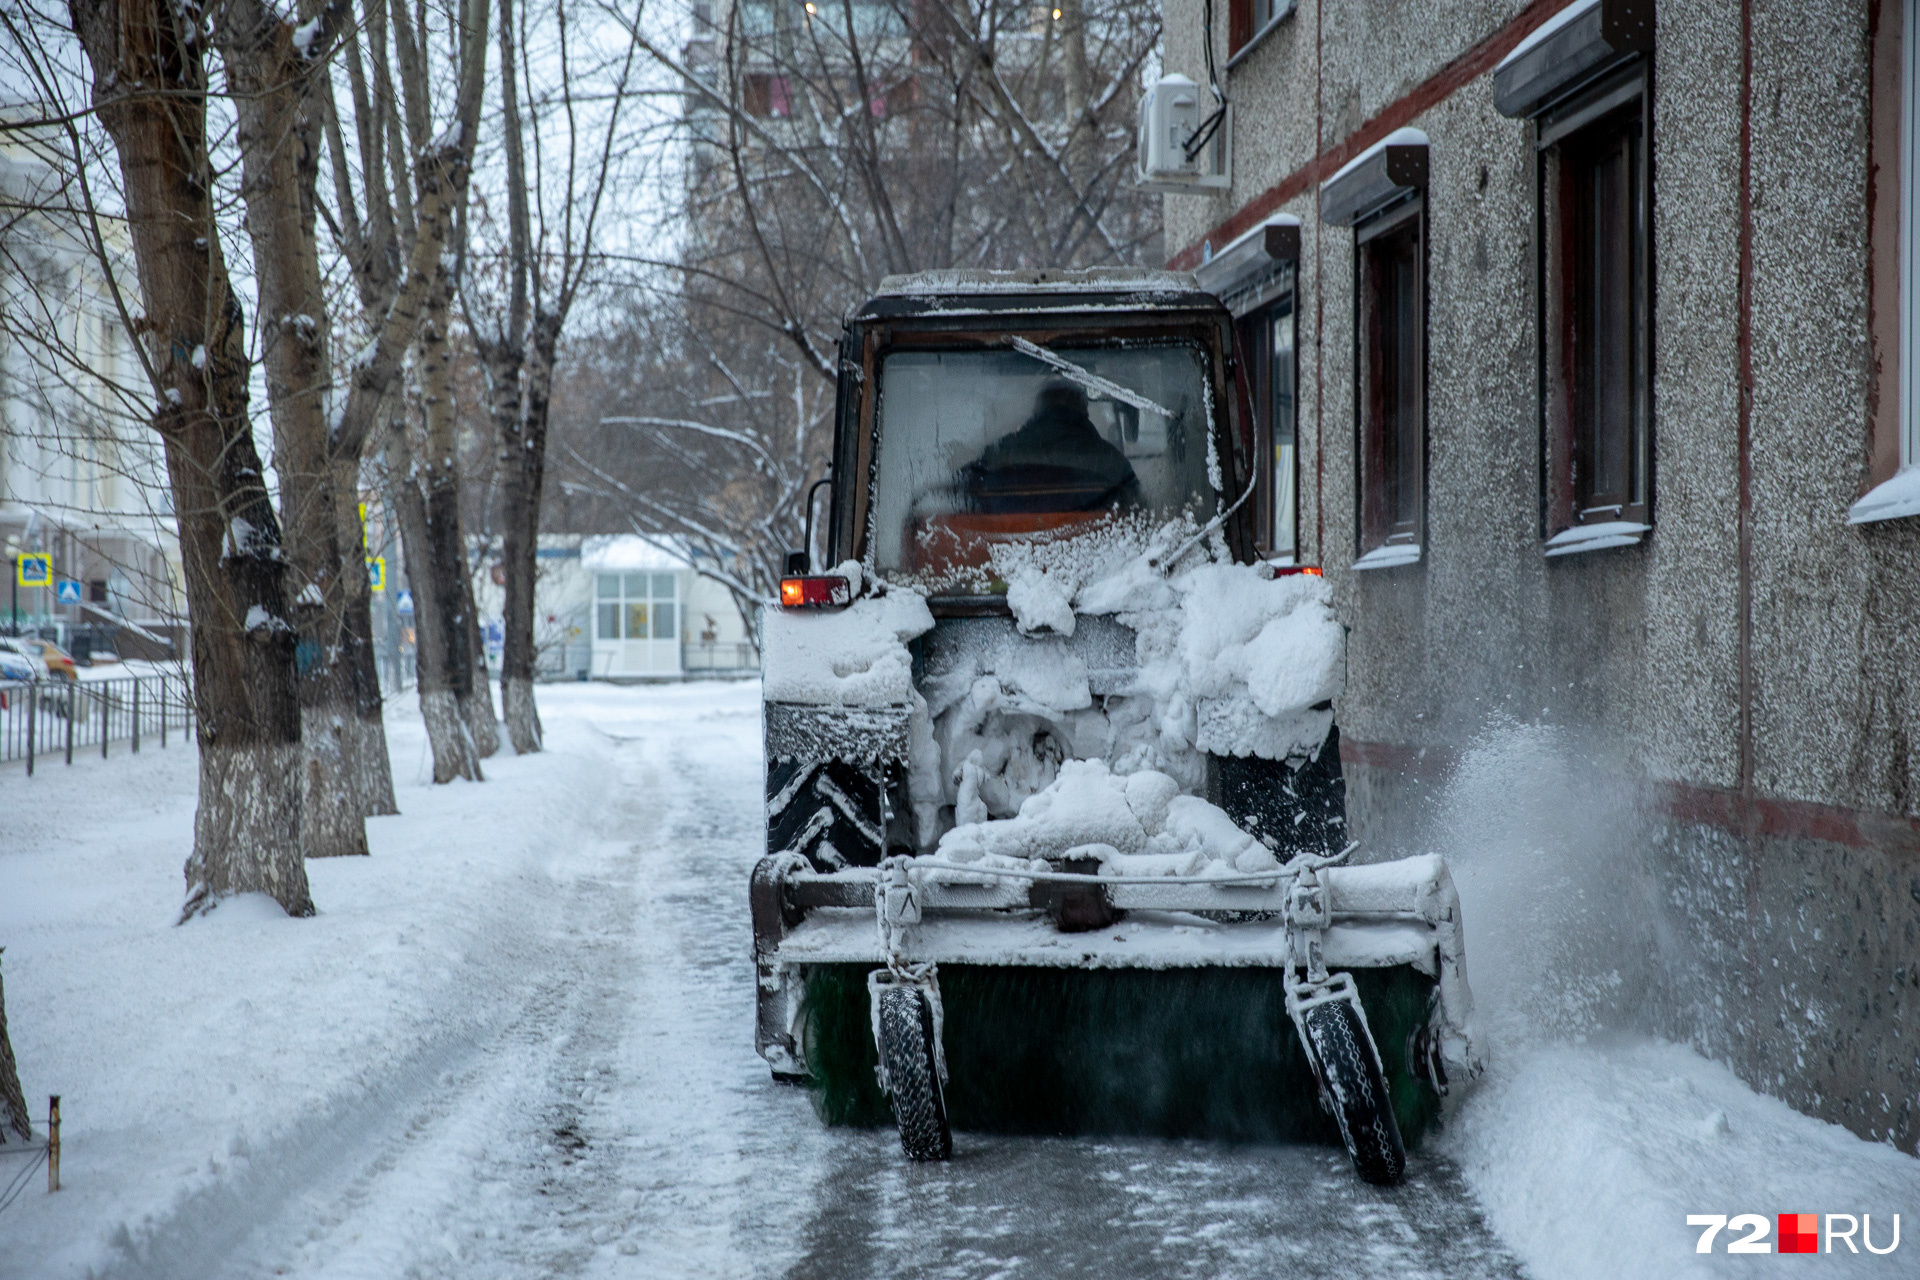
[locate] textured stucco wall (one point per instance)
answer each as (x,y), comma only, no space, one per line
(1802,959)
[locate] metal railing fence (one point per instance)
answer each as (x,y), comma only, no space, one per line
(46,720)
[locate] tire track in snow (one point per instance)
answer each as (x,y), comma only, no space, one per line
(621,1125)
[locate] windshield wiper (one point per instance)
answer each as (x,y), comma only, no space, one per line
(1088,379)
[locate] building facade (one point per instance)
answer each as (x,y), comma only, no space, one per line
(1582,343)
(622,607)
(82,476)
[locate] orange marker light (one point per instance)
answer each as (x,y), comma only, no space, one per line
(815,592)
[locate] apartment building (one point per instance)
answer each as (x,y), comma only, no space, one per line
(1584,346)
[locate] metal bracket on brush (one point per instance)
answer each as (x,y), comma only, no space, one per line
(897,904)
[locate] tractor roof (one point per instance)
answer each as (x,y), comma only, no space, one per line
(964,291)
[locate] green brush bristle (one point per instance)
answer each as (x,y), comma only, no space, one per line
(1202,1052)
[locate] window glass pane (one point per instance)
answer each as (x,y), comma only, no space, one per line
(981,447)
(1281,410)
(663,621)
(636,586)
(1600,228)
(663,586)
(609,628)
(607,586)
(636,621)
(1393,378)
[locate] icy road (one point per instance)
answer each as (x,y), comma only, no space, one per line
(565,1083)
(516,1042)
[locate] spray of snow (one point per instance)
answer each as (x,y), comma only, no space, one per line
(1590,1139)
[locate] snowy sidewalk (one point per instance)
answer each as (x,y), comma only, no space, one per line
(182,1053)
(516,1042)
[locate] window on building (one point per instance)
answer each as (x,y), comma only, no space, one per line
(765,95)
(1267,339)
(1892,480)
(635,606)
(1391,408)
(1248,20)
(1596,313)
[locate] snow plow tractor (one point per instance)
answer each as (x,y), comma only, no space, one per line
(1056,830)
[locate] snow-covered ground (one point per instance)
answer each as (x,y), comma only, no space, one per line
(1589,1145)
(517,1041)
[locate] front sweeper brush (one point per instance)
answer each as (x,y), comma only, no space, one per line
(1056,824)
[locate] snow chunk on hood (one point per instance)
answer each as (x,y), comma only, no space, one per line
(1137,824)
(1275,640)
(851,657)
(1085,804)
(1040,601)
(1259,659)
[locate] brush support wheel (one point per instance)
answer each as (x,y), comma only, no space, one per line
(1356,1090)
(907,1058)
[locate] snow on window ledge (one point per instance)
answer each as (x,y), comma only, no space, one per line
(1390,556)
(1547,28)
(1890,499)
(1597,537)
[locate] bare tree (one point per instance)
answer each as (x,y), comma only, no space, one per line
(400,249)
(150,91)
(715,433)
(823,148)
(272,72)
(542,269)
(14,1123)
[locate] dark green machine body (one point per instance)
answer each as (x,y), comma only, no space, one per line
(1177,1053)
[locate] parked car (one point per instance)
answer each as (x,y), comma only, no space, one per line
(20,660)
(58,662)
(16,665)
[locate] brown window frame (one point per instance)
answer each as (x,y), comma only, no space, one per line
(1594,157)
(1255,333)
(1375,526)
(1246,23)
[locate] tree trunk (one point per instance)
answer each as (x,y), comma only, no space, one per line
(279,131)
(523,457)
(447,731)
(447,576)
(14,1121)
(478,708)
(373,779)
(149,84)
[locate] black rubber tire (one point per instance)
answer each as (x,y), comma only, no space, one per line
(828,810)
(906,1049)
(1358,1091)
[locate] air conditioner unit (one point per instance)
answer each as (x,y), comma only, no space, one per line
(1170,115)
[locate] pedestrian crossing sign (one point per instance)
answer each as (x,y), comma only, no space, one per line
(376,573)
(34,569)
(66,591)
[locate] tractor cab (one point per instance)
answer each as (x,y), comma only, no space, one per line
(1016,450)
(982,409)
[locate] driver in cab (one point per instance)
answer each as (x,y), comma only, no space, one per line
(1056,461)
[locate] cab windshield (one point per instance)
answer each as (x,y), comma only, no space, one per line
(981,448)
